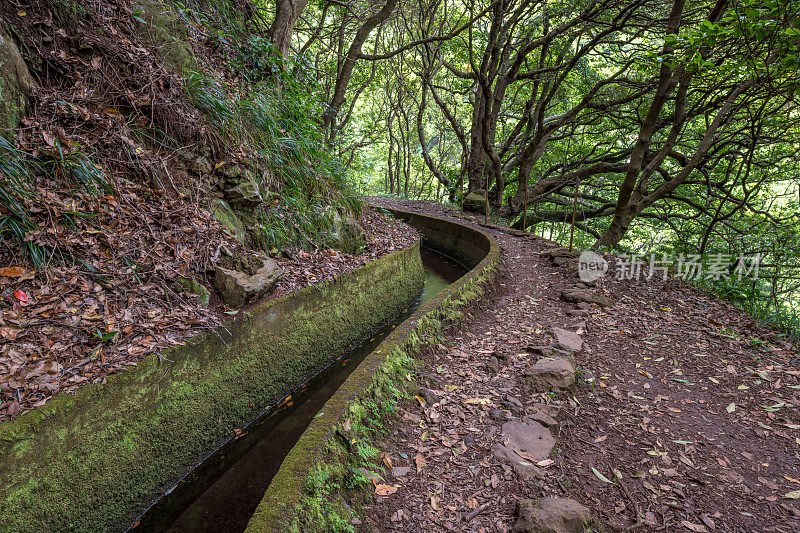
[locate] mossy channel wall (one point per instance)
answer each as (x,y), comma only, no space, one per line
(305,492)
(92,461)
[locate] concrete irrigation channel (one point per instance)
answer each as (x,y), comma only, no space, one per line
(163,437)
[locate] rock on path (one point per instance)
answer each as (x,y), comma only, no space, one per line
(551,515)
(550,374)
(568,340)
(523,443)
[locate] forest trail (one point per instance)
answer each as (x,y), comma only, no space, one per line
(683,415)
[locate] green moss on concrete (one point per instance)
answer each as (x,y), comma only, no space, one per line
(93,461)
(326,464)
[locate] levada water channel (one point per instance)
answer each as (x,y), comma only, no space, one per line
(222,492)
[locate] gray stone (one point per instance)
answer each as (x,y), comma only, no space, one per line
(579,295)
(523,444)
(548,409)
(238,288)
(544,351)
(564,261)
(16,83)
(431,397)
(348,235)
(567,340)
(225,215)
(562,251)
(246,194)
(514,401)
(475,201)
(550,515)
(232,172)
(504,357)
(550,374)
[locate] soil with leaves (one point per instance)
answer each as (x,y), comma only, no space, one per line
(66,326)
(684,416)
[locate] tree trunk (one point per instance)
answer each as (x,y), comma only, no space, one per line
(346,72)
(286,14)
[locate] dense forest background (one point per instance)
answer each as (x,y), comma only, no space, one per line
(651,127)
(645,126)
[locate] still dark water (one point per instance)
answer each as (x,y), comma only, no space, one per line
(222,493)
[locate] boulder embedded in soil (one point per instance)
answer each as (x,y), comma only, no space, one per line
(561,251)
(549,409)
(523,444)
(550,374)
(544,351)
(237,288)
(587,296)
(550,515)
(543,418)
(564,261)
(15,84)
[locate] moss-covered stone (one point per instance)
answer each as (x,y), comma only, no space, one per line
(245,194)
(15,84)
(193,286)
(475,201)
(93,461)
(348,235)
(226,216)
(161,27)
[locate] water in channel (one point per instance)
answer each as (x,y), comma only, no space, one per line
(221,494)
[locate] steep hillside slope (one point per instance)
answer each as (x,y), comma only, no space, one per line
(146,147)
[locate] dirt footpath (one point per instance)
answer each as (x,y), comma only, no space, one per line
(682,415)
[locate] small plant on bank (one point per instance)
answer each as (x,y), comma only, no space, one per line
(584,376)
